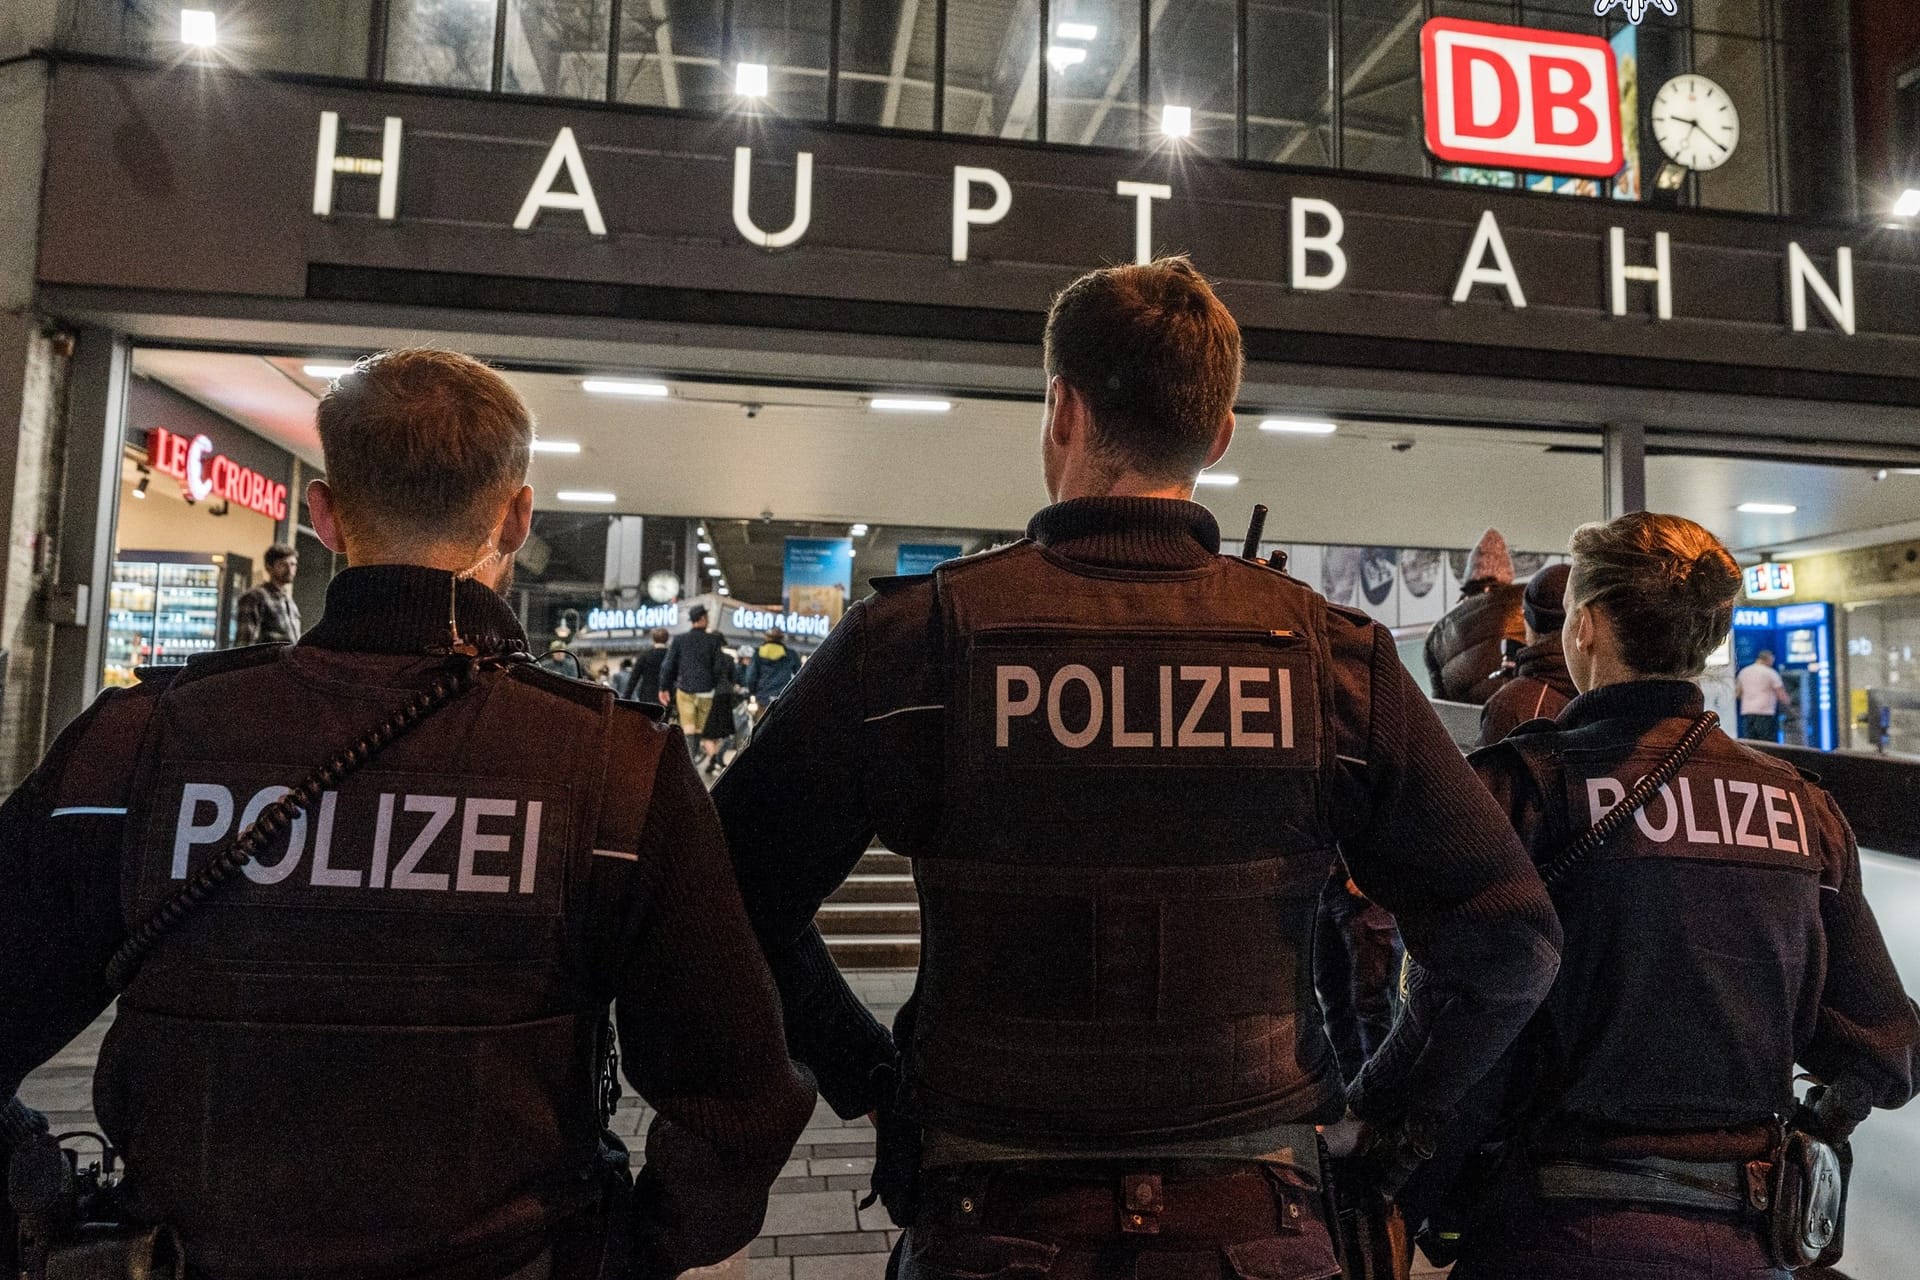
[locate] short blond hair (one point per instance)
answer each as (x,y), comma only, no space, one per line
(423,444)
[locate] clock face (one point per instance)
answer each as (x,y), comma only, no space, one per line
(1695,122)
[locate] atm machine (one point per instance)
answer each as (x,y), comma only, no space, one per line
(1801,638)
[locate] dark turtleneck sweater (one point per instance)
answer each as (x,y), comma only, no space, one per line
(409,608)
(855,750)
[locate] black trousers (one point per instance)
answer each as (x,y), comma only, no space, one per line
(1182,1222)
(1761,728)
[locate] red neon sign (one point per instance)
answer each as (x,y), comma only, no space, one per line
(1521,98)
(204,473)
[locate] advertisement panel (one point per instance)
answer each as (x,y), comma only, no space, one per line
(818,576)
(923,557)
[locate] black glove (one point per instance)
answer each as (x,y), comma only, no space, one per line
(1387,1155)
(1831,1112)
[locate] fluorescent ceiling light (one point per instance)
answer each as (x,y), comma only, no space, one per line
(556,446)
(197,27)
(1908,205)
(1767,508)
(1224,479)
(909,404)
(1299,426)
(623,387)
(1062,56)
(1076,31)
(1176,122)
(704,546)
(327,371)
(858,531)
(750,80)
(584,495)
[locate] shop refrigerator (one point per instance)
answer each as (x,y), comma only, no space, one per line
(165,606)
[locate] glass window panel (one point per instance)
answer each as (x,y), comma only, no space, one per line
(1577,19)
(318,37)
(886,62)
(670,54)
(993,68)
(790,38)
(1093,73)
(1289,86)
(441,42)
(557,47)
(1812,21)
(1816,151)
(1193,64)
(1740,67)
(1380,84)
(1736,17)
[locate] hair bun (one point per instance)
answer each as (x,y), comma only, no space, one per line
(1714,578)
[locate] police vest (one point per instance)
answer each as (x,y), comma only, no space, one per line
(377,1049)
(1118,911)
(1694,952)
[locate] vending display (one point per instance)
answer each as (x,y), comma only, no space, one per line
(162,608)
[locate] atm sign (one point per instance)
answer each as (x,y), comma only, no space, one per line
(1772,580)
(1521,98)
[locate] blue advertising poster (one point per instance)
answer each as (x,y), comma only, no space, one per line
(921,557)
(819,576)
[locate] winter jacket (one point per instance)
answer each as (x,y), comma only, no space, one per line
(1538,688)
(773,668)
(1463,649)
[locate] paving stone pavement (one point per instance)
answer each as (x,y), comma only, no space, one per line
(814,1230)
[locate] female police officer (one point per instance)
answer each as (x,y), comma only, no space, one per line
(1716,938)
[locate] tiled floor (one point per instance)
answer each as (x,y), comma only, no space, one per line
(814,1230)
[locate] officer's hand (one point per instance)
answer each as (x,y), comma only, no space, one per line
(663,697)
(1344,1136)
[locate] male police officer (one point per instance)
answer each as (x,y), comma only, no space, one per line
(1122,764)
(377,1051)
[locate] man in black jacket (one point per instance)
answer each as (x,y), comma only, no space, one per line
(1539,685)
(643,685)
(375,1047)
(1121,763)
(1463,649)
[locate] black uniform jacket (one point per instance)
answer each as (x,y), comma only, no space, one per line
(664,938)
(854,748)
(1716,942)
(1539,687)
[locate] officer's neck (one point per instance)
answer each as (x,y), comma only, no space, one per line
(1095,482)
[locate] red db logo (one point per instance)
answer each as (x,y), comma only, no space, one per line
(1519,98)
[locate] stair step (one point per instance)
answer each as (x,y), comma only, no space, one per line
(876,888)
(876,951)
(838,919)
(877,861)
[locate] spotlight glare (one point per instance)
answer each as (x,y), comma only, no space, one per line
(750,80)
(197,27)
(1176,122)
(1908,205)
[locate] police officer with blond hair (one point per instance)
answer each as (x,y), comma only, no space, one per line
(1122,763)
(364,940)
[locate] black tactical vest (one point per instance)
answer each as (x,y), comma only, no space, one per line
(1117,917)
(1694,956)
(376,1051)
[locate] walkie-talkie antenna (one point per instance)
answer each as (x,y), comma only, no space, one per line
(1250,549)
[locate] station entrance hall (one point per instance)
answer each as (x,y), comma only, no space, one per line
(773,282)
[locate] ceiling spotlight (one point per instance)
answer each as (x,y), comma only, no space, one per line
(858,531)
(585,495)
(1299,426)
(1076,31)
(197,27)
(1062,56)
(1908,205)
(1223,479)
(1176,122)
(712,572)
(909,404)
(704,546)
(556,446)
(623,387)
(700,530)
(326,372)
(140,489)
(1767,508)
(708,560)
(721,590)
(750,80)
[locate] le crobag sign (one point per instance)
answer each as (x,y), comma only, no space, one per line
(204,473)
(1521,98)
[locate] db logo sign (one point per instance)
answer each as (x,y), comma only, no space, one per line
(1518,98)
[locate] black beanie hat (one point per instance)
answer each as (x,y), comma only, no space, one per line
(1545,601)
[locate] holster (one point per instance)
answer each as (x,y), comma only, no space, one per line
(896,1163)
(68,1227)
(1369,1234)
(1805,1200)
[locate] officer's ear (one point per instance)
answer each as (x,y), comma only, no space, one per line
(326,520)
(518,521)
(1067,413)
(1218,449)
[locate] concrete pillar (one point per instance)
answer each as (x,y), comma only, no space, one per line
(1623,456)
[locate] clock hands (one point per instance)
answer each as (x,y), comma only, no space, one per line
(1693,126)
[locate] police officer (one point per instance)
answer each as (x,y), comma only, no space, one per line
(1121,763)
(1716,940)
(377,1049)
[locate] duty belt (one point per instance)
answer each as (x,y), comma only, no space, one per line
(1717,1186)
(1294,1146)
